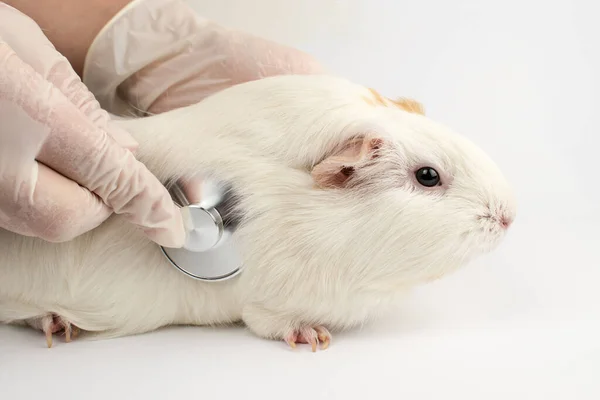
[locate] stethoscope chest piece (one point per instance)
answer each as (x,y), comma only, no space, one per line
(209,253)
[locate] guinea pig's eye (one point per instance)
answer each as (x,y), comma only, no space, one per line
(427,177)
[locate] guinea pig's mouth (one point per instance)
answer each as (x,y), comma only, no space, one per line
(502,221)
(494,227)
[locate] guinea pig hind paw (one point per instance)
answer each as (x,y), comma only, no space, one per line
(51,324)
(309,335)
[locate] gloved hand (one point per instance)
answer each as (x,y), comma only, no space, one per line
(63,168)
(157,55)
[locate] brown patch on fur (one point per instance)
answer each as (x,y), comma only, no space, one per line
(409,105)
(379,99)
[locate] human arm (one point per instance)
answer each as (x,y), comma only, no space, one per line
(70,25)
(63,167)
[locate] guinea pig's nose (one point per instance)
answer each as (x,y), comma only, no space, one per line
(505,221)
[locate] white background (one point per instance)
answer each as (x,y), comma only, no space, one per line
(520,78)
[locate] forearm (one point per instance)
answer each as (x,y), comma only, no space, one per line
(71,25)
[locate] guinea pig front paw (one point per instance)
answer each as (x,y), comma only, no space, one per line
(283,326)
(51,324)
(309,335)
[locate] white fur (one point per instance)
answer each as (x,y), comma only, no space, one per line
(331,257)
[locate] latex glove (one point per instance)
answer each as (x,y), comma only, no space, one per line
(156,55)
(63,168)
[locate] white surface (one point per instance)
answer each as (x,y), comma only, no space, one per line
(518,77)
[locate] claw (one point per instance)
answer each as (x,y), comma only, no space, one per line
(324,337)
(47,328)
(291,339)
(50,324)
(312,336)
(75,332)
(67,326)
(291,342)
(49,339)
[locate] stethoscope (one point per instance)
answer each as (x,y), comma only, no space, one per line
(209,253)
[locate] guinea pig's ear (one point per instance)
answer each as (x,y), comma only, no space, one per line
(337,169)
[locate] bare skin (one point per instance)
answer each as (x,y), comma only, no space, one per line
(71,25)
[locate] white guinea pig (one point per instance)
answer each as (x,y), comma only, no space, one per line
(347,199)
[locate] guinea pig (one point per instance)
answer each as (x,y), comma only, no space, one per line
(346,199)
